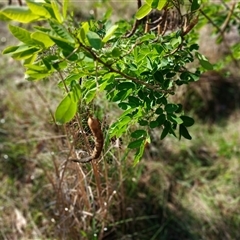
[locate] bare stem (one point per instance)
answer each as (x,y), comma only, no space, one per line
(45,102)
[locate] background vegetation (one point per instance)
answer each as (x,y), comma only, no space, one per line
(179,190)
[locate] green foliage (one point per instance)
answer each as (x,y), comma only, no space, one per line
(154,4)
(138,73)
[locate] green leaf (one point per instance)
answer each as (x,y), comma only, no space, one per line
(65,8)
(4,18)
(167,127)
(107,14)
(143,11)
(83,32)
(123,105)
(184,132)
(138,133)
(136,143)
(162,100)
(31,59)
(82,35)
(18,50)
(19,14)
(125,85)
(174,119)
(94,40)
(138,155)
(149,2)
(77,92)
(176,42)
(10,49)
(116,52)
(187,121)
(42,38)
(159,111)
(121,95)
(119,127)
(124,120)
(36,8)
(161,4)
(59,65)
(204,62)
(60,42)
(71,78)
(22,35)
(195,5)
(161,119)
(154,124)
(61,31)
(42,29)
(143,122)
(170,108)
(56,11)
(66,110)
(109,33)
(158,76)
(24,53)
(155,3)
(35,67)
(35,75)
(90,95)
(180,108)
(134,101)
(193,47)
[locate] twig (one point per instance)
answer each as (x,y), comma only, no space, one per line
(222,34)
(45,102)
(210,20)
(62,79)
(226,22)
(98,182)
(228,8)
(135,26)
(137,43)
(41,138)
(136,23)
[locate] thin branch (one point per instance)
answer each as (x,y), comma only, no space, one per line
(227,20)
(222,34)
(62,79)
(137,43)
(228,8)
(210,20)
(45,102)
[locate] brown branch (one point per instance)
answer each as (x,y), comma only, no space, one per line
(136,23)
(222,34)
(45,102)
(227,20)
(210,20)
(228,8)
(134,28)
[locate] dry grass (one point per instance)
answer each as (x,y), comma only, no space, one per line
(188,189)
